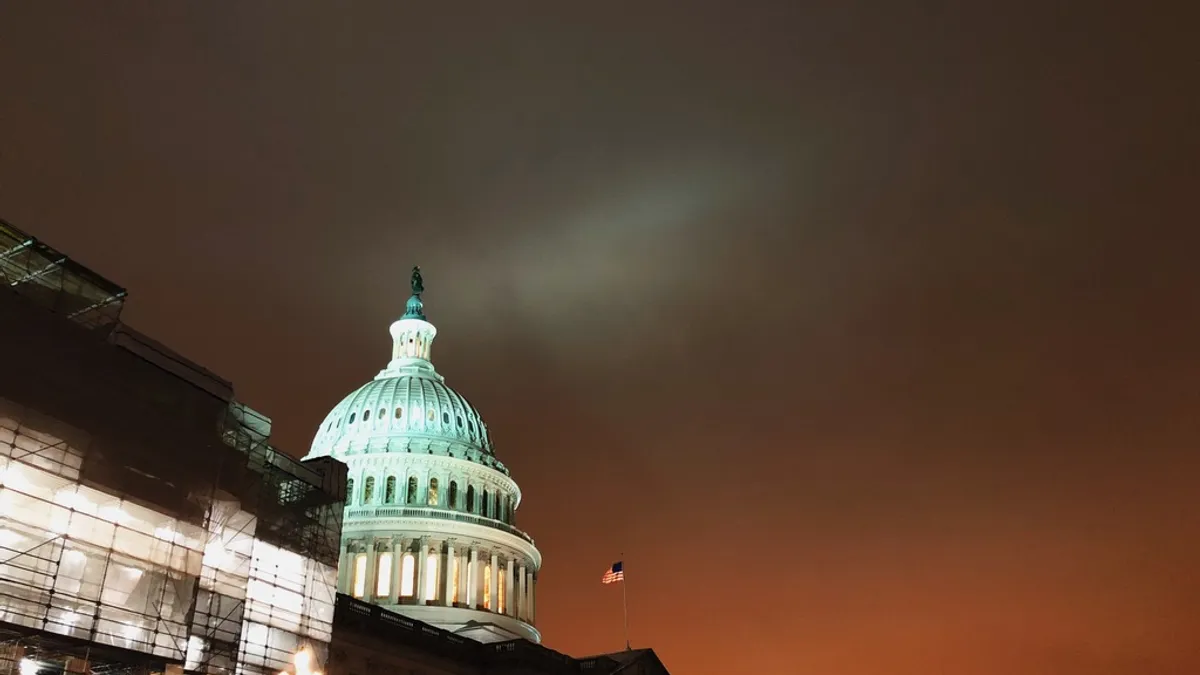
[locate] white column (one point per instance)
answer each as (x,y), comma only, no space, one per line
(422,554)
(494,591)
(533,598)
(345,564)
(369,586)
(510,607)
(522,595)
(473,578)
(448,573)
(398,544)
(463,585)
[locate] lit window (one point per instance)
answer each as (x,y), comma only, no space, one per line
(487,587)
(349,490)
(399,413)
(407,575)
(432,414)
(431,573)
(454,579)
(411,497)
(471,498)
(433,492)
(360,575)
(389,490)
(500,600)
(452,498)
(383,575)
(369,490)
(366,415)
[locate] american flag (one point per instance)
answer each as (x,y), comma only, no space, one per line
(614,574)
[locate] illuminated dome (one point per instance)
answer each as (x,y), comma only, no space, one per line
(406,410)
(429,528)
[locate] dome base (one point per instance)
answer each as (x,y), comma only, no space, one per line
(479,625)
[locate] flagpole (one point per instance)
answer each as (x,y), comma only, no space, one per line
(625,601)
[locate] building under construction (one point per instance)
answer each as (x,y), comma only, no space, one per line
(146,523)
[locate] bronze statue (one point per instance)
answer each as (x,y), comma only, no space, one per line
(418,284)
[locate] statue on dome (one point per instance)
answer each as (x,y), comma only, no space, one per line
(418,284)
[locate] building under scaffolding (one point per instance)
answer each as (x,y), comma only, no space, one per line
(146,524)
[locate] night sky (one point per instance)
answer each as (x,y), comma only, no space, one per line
(866,331)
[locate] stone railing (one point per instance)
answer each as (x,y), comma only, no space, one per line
(437,514)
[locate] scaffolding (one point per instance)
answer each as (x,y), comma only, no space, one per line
(41,274)
(146,523)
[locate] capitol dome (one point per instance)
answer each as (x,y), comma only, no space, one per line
(430,520)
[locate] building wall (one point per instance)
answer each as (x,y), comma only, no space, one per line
(366,644)
(141,511)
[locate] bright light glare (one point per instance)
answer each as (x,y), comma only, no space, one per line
(303,662)
(28,667)
(8,538)
(11,476)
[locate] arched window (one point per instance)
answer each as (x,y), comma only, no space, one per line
(359,586)
(431,577)
(411,497)
(500,591)
(399,413)
(389,490)
(484,504)
(369,490)
(433,492)
(471,499)
(383,575)
(349,490)
(487,587)
(408,571)
(452,498)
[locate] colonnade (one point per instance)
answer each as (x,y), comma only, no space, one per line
(402,570)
